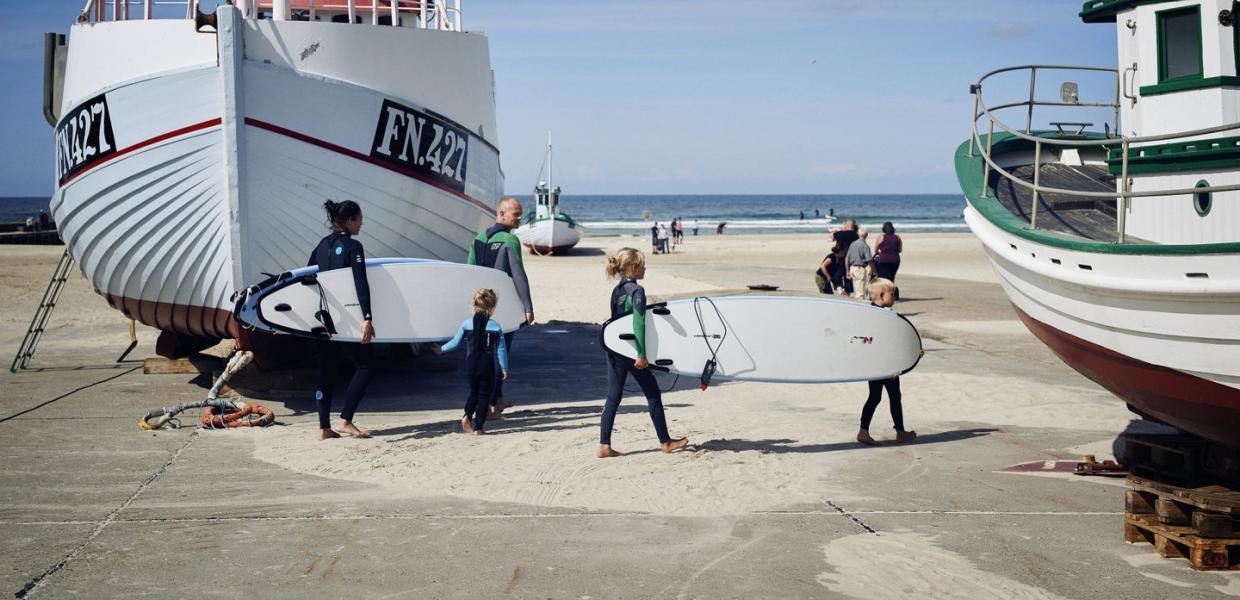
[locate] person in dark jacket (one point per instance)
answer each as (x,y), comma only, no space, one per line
(338,250)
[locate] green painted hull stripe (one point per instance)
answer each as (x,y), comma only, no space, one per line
(969,174)
(1195,155)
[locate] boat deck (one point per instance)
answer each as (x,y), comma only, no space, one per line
(1089,218)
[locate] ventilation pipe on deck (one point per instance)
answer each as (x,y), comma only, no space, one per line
(54,53)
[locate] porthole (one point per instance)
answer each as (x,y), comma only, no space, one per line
(1202,200)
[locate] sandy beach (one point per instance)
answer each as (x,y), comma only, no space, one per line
(773,498)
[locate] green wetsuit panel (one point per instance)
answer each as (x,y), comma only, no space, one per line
(639,325)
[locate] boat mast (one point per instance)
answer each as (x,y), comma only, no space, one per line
(552,201)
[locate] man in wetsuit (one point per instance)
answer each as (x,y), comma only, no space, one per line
(497,247)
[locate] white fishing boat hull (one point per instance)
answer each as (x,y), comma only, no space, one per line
(1161,331)
(549,235)
(218,151)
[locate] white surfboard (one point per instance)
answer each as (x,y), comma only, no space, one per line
(411,300)
(786,339)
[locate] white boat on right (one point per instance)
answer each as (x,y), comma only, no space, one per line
(1119,245)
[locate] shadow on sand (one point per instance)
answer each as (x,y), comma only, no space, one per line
(786,446)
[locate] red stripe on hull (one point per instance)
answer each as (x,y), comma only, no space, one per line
(1198,406)
(364,158)
(140,145)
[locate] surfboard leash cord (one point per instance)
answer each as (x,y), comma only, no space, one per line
(708,370)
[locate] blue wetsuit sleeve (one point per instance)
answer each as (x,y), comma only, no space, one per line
(456,340)
(357,260)
(502,353)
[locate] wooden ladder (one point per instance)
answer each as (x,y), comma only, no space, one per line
(41,316)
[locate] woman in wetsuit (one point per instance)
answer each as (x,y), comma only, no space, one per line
(630,297)
(337,251)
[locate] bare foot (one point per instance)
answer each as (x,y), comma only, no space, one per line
(674,445)
(479,432)
(606,451)
(466,425)
(348,428)
(327,434)
(905,436)
(495,412)
(863,436)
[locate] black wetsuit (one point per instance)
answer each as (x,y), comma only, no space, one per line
(876,396)
(486,361)
(629,297)
(337,251)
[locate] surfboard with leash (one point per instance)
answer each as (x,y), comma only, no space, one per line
(412,300)
(786,339)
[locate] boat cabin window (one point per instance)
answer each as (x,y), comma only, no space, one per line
(1202,200)
(1179,43)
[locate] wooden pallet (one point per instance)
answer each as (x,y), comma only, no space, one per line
(1211,511)
(1170,458)
(1170,541)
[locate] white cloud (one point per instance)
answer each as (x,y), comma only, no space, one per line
(1009,29)
(837,169)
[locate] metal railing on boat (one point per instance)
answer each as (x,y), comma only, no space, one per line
(1124,194)
(444,15)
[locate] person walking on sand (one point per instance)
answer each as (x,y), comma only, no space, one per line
(339,250)
(486,353)
(695,227)
(498,248)
(654,238)
(883,293)
(630,297)
(858,259)
(887,249)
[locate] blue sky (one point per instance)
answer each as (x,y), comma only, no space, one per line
(697,96)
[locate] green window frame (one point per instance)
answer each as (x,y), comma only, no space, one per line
(1202,201)
(1161,18)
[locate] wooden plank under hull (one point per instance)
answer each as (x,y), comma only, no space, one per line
(1189,403)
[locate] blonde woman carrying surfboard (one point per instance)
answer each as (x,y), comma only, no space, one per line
(630,297)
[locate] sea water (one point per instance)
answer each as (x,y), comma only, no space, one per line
(756,214)
(761,214)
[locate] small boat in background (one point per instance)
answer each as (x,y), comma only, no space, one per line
(547,230)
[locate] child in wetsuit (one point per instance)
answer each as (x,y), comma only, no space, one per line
(629,297)
(486,350)
(882,295)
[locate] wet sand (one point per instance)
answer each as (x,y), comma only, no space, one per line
(772,499)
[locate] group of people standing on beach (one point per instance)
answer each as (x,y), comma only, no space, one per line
(851,265)
(664,240)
